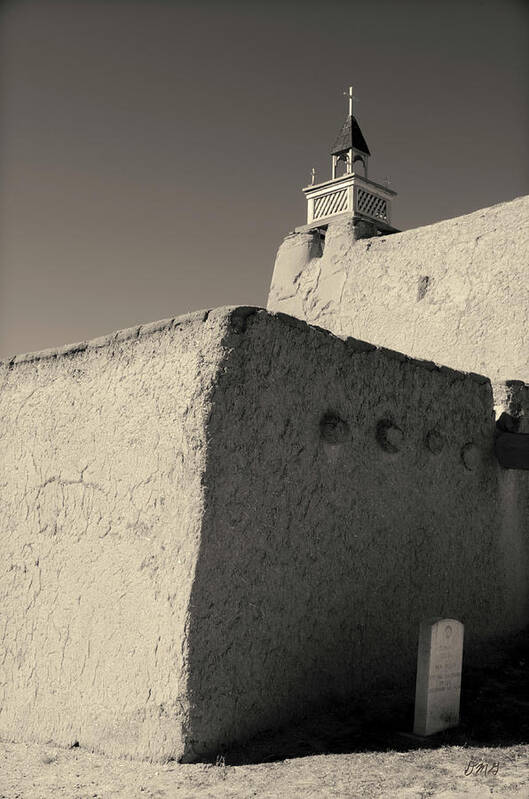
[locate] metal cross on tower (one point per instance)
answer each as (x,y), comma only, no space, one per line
(351,97)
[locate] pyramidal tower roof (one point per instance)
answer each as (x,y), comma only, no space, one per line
(350,136)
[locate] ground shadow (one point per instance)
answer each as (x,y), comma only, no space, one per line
(494,712)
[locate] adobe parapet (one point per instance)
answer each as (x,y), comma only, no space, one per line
(213,523)
(108,340)
(455,292)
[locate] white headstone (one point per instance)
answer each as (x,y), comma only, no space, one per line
(438,686)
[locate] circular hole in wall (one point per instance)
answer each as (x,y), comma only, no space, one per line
(435,441)
(389,435)
(470,456)
(333,429)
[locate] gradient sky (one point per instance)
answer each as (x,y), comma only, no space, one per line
(152,153)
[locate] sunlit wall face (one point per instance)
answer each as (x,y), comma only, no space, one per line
(152,153)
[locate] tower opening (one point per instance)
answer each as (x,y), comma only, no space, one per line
(360,165)
(341,166)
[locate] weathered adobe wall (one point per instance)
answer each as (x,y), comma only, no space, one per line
(318,560)
(103,453)
(456,292)
(189,558)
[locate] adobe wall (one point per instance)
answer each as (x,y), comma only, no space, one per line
(322,549)
(103,453)
(456,292)
(213,524)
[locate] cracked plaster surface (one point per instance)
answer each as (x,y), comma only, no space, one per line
(187,560)
(319,557)
(103,452)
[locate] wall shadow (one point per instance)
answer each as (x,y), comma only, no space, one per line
(494,713)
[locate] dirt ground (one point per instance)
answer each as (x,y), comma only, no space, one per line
(337,754)
(38,772)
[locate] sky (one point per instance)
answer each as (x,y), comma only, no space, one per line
(152,154)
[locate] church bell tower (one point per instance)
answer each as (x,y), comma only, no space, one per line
(349,192)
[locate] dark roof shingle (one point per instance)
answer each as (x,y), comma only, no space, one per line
(350,136)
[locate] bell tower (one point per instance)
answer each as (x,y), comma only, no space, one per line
(349,192)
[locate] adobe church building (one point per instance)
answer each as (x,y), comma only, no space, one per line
(214,524)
